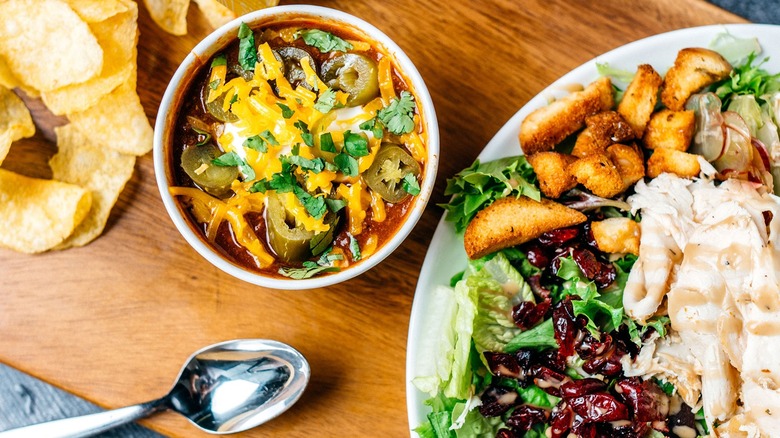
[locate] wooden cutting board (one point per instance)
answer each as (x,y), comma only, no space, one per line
(113,321)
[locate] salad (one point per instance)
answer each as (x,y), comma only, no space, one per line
(534,339)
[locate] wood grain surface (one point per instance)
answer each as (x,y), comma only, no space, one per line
(113,321)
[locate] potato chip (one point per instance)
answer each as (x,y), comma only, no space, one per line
(117,122)
(170,15)
(241,7)
(46,43)
(38,214)
(15,121)
(117,37)
(9,80)
(215,12)
(100,170)
(93,11)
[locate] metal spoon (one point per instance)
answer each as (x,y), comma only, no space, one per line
(224,388)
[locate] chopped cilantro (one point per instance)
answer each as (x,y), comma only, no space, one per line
(335,205)
(202,134)
(307,137)
(247,52)
(354,248)
(356,145)
(309,269)
(397,116)
(296,149)
(346,164)
(410,184)
(326,142)
(233,159)
(375,126)
(219,60)
(259,186)
(234,99)
(325,41)
(286,111)
(269,137)
(214,84)
(326,101)
(257,143)
(315,205)
(283,181)
(316,165)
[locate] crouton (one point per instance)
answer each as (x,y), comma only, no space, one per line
(639,100)
(670,129)
(629,161)
(511,221)
(693,69)
(546,127)
(602,130)
(617,235)
(598,174)
(551,170)
(682,164)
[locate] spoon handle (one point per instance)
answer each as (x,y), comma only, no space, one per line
(87,425)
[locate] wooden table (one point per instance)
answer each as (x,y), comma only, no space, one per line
(113,321)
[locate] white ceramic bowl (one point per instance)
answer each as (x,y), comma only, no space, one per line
(213,44)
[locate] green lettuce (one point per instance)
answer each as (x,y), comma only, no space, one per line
(434,366)
(476,187)
(497,287)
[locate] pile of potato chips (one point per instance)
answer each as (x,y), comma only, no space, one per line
(171,15)
(79,57)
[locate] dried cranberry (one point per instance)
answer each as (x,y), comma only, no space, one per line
(551,359)
(596,408)
(497,399)
(582,428)
(578,388)
(602,273)
(646,399)
(537,256)
(548,380)
(502,364)
(560,420)
(620,431)
(523,358)
(565,326)
(525,416)
(608,363)
(527,314)
(588,237)
(589,346)
(682,418)
(541,293)
(556,238)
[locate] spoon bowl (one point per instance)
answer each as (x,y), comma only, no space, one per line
(223,388)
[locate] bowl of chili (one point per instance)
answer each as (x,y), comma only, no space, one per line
(296,147)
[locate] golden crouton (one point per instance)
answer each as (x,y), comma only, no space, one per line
(670,129)
(694,69)
(639,100)
(682,164)
(598,174)
(512,221)
(618,235)
(546,127)
(629,161)
(551,170)
(602,130)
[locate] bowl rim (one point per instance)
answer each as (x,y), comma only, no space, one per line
(213,43)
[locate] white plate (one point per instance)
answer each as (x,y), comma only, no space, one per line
(446,256)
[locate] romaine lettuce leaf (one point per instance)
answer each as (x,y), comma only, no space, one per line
(434,365)
(541,337)
(498,287)
(459,385)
